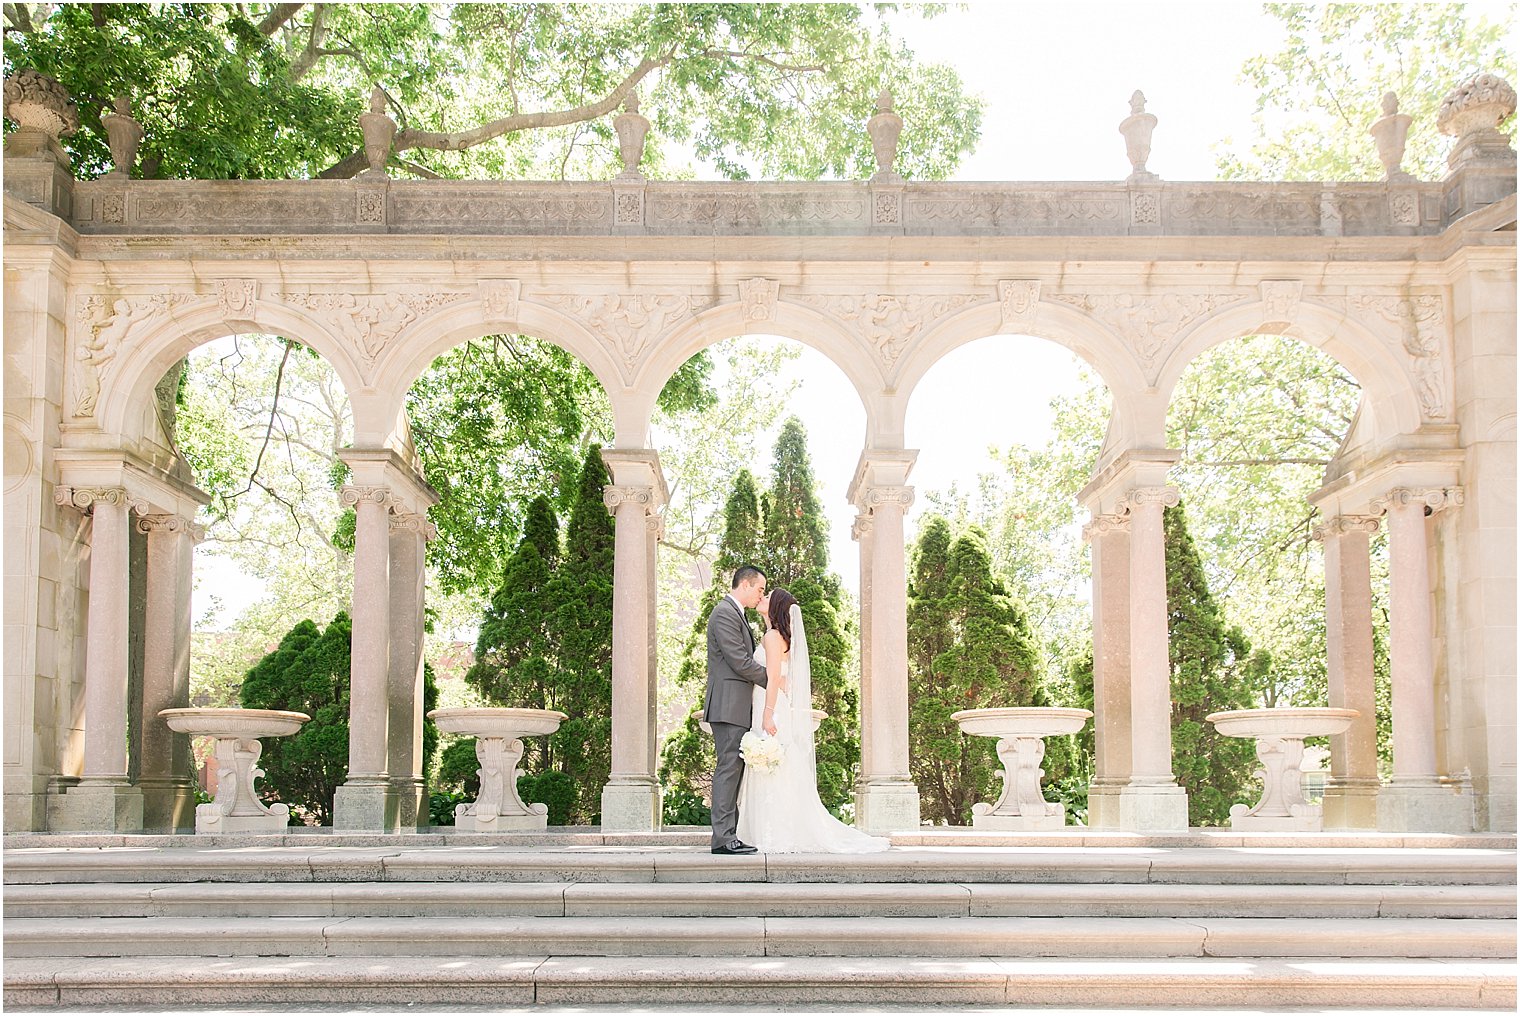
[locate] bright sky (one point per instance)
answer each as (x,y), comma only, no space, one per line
(1056,78)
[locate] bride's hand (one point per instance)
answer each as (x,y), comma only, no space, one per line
(768,723)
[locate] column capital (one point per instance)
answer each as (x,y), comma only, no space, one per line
(413,522)
(861,526)
(1432,499)
(1166,497)
(1342,524)
(171,524)
(1101,524)
(872,498)
(352,496)
(654,525)
(84,499)
(614,497)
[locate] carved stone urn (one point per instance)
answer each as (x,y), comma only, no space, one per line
(1390,133)
(1137,129)
(885,128)
(124,135)
(631,130)
(1472,113)
(237,808)
(1021,734)
(379,129)
(43,111)
(1279,735)
(498,737)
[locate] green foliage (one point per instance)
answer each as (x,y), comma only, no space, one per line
(307,673)
(969,647)
(1211,670)
(685,807)
(441,805)
(512,653)
(552,788)
(459,768)
(1319,94)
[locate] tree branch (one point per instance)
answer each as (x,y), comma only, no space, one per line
(279,378)
(1267,462)
(19,17)
(277,16)
(313,51)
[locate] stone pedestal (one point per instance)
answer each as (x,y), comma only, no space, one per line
(886,807)
(1279,735)
(498,737)
(1436,808)
(1021,734)
(631,805)
(238,807)
(97,806)
(1155,809)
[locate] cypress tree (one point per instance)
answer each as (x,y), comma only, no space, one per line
(795,555)
(578,605)
(973,649)
(309,673)
(1210,667)
(512,655)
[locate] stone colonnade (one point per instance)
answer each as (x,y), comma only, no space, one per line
(108,283)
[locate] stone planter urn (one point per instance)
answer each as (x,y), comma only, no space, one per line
(237,808)
(1021,734)
(498,737)
(1279,735)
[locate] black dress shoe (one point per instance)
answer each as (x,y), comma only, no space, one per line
(734,848)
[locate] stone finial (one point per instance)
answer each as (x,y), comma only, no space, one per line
(885,128)
(379,129)
(1472,113)
(124,134)
(1137,128)
(34,100)
(1390,132)
(631,130)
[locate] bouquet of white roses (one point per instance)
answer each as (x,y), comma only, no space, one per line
(761,753)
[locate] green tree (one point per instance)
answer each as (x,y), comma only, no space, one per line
(794,554)
(1211,667)
(1319,94)
(307,673)
(578,602)
(983,656)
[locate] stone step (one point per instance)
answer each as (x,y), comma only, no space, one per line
(1010,865)
(752,899)
(705,937)
(396,981)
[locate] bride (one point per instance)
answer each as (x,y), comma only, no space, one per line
(779,811)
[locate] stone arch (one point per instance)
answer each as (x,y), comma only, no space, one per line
(422,342)
(1065,326)
(146,355)
(1388,394)
(788,320)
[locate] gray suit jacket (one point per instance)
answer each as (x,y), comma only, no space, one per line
(732,672)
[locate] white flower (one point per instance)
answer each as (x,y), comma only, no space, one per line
(761,753)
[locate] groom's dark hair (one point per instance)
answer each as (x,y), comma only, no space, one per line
(746,573)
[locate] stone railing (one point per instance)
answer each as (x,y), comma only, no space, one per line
(489,208)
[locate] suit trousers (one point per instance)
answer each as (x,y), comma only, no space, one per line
(725,786)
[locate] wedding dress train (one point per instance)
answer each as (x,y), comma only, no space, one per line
(779,811)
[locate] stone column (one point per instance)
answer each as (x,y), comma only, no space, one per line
(166,766)
(1109,537)
(1151,801)
(1351,794)
(103,801)
(1415,801)
(409,535)
(631,801)
(887,800)
(654,526)
(364,803)
(861,531)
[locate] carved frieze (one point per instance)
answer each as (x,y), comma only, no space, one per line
(1004,209)
(103,326)
(752,208)
(889,322)
(1018,299)
(368,322)
(1294,207)
(758,299)
(1149,322)
(1421,322)
(627,322)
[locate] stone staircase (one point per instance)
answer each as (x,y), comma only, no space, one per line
(580,919)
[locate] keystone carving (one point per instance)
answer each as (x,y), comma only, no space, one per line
(758,299)
(1018,299)
(235,298)
(500,297)
(1281,297)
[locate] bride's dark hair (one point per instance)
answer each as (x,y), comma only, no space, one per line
(780,614)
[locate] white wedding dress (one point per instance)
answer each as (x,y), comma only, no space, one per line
(779,811)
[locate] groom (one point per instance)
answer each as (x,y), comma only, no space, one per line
(732,674)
